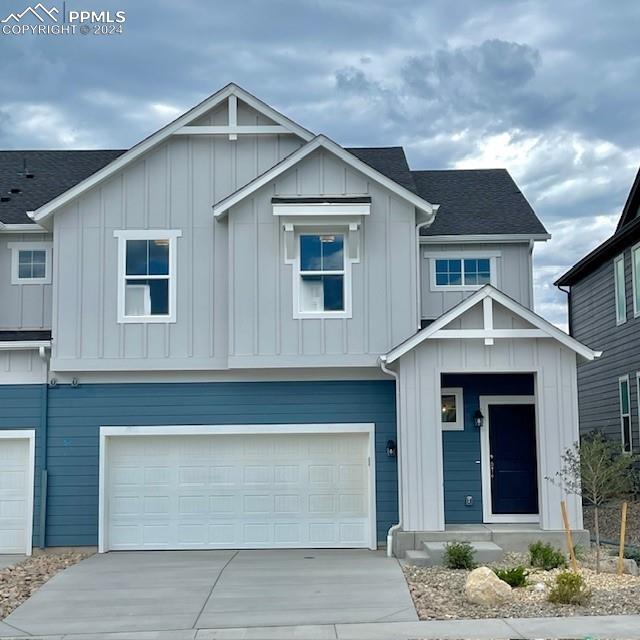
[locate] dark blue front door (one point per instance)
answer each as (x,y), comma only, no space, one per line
(512,443)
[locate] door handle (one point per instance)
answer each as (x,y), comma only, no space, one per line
(491,465)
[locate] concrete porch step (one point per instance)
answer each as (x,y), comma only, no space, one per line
(459,533)
(485,552)
(417,558)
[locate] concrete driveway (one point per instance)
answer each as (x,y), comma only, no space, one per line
(179,590)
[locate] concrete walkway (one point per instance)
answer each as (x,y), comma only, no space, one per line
(174,591)
(595,627)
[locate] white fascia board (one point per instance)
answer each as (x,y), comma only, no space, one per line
(21,228)
(490,237)
(529,316)
(221,208)
(322,209)
(159,136)
(23,345)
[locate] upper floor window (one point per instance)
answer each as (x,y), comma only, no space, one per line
(625,414)
(30,262)
(147,275)
(620,290)
(462,273)
(635,271)
(323,275)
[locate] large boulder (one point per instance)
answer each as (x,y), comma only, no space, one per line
(484,587)
(610,565)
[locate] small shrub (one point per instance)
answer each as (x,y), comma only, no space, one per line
(514,577)
(569,588)
(546,557)
(632,554)
(459,555)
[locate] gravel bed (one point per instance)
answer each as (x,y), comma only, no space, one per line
(610,522)
(21,581)
(438,594)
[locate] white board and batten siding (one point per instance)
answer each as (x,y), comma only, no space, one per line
(554,368)
(231,487)
(23,366)
(263,331)
(17,459)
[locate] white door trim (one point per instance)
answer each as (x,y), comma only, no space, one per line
(487,510)
(30,435)
(235,429)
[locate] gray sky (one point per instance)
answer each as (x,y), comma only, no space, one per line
(549,90)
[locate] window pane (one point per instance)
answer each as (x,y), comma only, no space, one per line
(455,278)
(626,434)
(24,270)
(310,253)
(158,257)
(442,279)
(332,252)
(25,257)
(442,266)
(470,279)
(484,277)
(333,293)
(624,396)
(448,408)
(39,256)
(483,265)
(470,267)
(621,304)
(455,266)
(38,270)
(137,257)
(147,297)
(311,293)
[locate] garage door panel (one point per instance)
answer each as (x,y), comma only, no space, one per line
(16,494)
(268,491)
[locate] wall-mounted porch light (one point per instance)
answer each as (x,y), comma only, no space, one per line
(478,419)
(391,448)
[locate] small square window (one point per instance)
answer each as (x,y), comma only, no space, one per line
(452,410)
(31,263)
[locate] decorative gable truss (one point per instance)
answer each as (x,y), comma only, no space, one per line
(490,315)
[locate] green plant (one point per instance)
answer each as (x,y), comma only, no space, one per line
(631,553)
(514,577)
(459,555)
(546,557)
(580,552)
(569,588)
(595,470)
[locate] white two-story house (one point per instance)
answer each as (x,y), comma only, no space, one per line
(239,334)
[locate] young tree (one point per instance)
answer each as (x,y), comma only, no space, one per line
(596,470)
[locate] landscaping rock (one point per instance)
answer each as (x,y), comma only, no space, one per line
(484,587)
(610,565)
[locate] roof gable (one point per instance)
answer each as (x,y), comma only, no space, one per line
(321,141)
(179,126)
(631,206)
(533,326)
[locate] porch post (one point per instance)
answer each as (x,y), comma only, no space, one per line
(422,507)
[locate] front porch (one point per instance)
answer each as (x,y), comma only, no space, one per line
(490,540)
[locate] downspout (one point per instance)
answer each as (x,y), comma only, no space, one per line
(44,428)
(395,527)
(419,227)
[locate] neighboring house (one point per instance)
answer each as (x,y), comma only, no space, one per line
(212,340)
(604,311)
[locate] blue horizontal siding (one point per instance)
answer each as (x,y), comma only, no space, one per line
(461,449)
(76,415)
(21,408)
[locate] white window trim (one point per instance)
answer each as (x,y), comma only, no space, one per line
(462,255)
(30,435)
(146,234)
(16,247)
(623,319)
(634,279)
(622,379)
(322,227)
(107,433)
(458,425)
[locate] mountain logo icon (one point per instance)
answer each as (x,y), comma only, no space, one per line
(40,12)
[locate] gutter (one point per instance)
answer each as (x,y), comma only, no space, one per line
(419,227)
(569,310)
(382,361)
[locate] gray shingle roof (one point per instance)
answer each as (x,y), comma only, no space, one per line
(476,201)
(53,173)
(390,161)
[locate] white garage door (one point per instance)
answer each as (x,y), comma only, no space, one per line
(16,493)
(237,491)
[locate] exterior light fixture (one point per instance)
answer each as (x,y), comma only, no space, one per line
(478,419)
(391,448)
